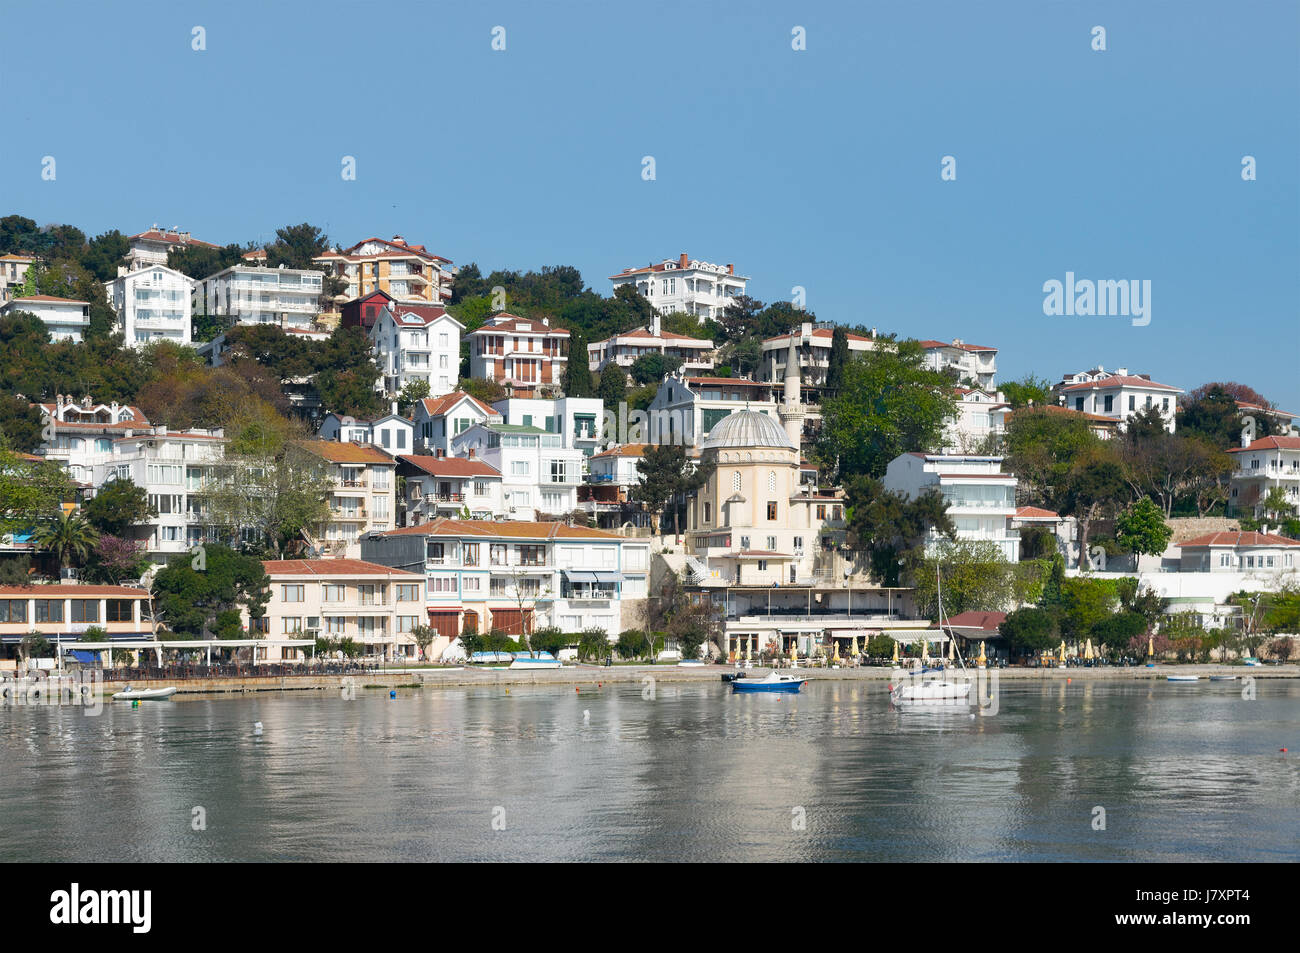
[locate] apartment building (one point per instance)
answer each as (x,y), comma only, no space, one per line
(153,303)
(813,347)
(442,486)
(65,318)
(151,247)
(579,421)
(1241,552)
(391,433)
(363,495)
(519,576)
(1117,394)
(981,498)
(686,409)
(608,495)
(539,474)
(695,354)
(519,352)
(288,298)
(971,363)
(437,419)
(405,272)
(373,605)
(13,272)
(173,467)
(980,420)
(416,343)
(685,284)
(83,432)
(1264,465)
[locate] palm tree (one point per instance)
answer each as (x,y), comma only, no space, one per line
(68,536)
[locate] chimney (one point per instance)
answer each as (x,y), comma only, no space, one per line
(731,269)
(471,453)
(394,407)
(1122,371)
(682,260)
(438,453)
(655,325)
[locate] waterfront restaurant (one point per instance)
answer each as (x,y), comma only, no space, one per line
(63,612)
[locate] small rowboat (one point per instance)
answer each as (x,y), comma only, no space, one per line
(538,660)
(774,682)
(1182,678)
(144,694)
(1223,678)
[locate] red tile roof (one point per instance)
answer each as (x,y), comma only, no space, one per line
(627,450)
(450,466)
(433,406)
(512,322)
(819,333)
(1240,539)
(1035,513)
(338,452)
(1270,443)
(1120,380)
(330,567)
(171,238)
(1058,409)
(642,333)
(66,590)
(726,380)
(50,299)
(988,621)
(931,345)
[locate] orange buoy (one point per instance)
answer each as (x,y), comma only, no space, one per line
(1068,681)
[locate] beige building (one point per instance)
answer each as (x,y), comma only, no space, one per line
(375,606)
(363,496)
(406,272)
(13,271)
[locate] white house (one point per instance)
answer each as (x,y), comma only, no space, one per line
(1117,394)
(981,498)
(578,420)
(151,247)
(392,432)
(439,485)
(686,409)
(65,318)
(519,352)
(1236,552)
(438,419)
(416,343)
(539,475)
(624,349)
(153,303)
(980,416)
(362,496)
(813,347)
(82,432)
(971,362)
(13,272)
(687,285)
(1261,466)
(289,298)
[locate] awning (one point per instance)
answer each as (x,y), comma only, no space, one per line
(912,636)
(608,578)
(573,576)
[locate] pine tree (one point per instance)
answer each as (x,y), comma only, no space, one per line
(577,374)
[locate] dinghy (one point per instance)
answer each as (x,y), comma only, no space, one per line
(1182,678)
(144,694)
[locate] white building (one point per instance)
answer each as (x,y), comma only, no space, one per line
(65,318)
(82,432)
(1238,552)
(13,272)
(695,354)
(1117,394)
(392,432)
(578,420)
(151,247)
(289,298)
(686,408)
(814,352)
(416,343)
(438,419)
(972,363)
(539,475)
(153,303)
(452,487)
(981,416)
(981,498)
(1261,466)
(519,352)
(687,285)
(519,576)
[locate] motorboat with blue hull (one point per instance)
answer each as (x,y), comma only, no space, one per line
(773,682)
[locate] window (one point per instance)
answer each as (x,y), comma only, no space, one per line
(771,482)
(821,511)
(470,554)
(735,482)
(335,624)
(406,623)
(85,610)
(497,553)
(291,624)
(1132,402)
(119,610)
(744,542)
(798,545)
(771,511)
(49,610)
(294,593)
(333,592)
(762,565)
(13,610)
(1110,402)
(532,555)
(771,543)
(470,584)
(519,468)
(480,488)
(408,593)
(708,512)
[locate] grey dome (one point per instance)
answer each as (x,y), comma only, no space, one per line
(747,428)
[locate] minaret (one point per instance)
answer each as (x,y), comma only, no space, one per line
(792,412)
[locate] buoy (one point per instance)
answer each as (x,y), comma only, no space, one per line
(135,703)
(576,688)
(257,727)
(1283,750)
(1068,681)
(586,717)
(392,693)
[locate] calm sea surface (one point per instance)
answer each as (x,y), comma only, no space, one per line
(1183,773)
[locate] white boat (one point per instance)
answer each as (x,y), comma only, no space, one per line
(934,690)
(144,694)
(1182,678)
(690,663)
(536,660)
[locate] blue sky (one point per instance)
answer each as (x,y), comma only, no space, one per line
(818,168)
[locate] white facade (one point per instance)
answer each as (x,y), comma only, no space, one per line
(438,419)
(578,420)
(684,284)
(981,498)
(452,487)
(1117,394)
(539,475)
(972,362)
(1261,466)
(82,432)
(686,409)
(13,271)
(980,416)
(151,247)
(392,433)
(1242,552)
(64,318)
(153,304)
(246,294)
(414,345)
(814,351)
(520,352)
(696,355)
(363,494)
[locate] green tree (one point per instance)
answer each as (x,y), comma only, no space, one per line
(281,490)
(207,597)
(1084,603)
(115,559)
(1042,447)
(975,576)
(890,528)
(1027,391)
(1028,631)
(1094,488)
(665,473)
(613,386)
(415,391)
(1142,528)
(117,507)
(68,537)
(31,491)
(296,245)
(652,368)
(839,357)
(20,425)
(890,403)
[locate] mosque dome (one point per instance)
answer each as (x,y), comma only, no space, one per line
(747,428)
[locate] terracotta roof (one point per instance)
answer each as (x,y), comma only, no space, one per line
(512,322)
(433,406)
(64,590)
(171,238)
(988,621)
(12,257)
(450,466)
(1270,443)
(1035,513)
(626,450)
(507,529)
(138,419)
(1247,405)
(1119,380)
(338,452)
(49,299)
(1058,409)
(1241,539)
(330,567)
(643,334)
(420,314)
(402,250)
(819,333)
(931,345)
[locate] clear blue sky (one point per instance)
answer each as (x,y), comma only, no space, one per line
(818,168)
